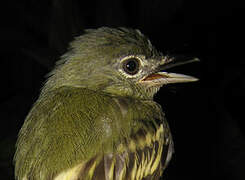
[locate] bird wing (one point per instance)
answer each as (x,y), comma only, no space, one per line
(130,164)
(143,155)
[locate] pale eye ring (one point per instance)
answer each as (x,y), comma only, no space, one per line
(131,66)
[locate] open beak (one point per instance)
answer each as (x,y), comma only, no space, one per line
(161,77)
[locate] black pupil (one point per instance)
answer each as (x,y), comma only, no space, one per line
(131,66)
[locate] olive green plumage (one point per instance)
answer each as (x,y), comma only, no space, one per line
(95,117)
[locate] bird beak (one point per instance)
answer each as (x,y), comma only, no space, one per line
(161,77)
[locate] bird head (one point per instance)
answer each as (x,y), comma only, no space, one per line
(119,62)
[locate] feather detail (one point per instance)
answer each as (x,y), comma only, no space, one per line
(131,164)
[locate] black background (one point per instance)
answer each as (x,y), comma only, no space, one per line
(205,117)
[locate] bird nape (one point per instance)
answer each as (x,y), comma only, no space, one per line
(95,117)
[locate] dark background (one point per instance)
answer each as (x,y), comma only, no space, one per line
(205,117)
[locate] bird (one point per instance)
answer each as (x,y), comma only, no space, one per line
(95,117)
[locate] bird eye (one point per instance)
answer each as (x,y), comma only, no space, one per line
(131,66)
